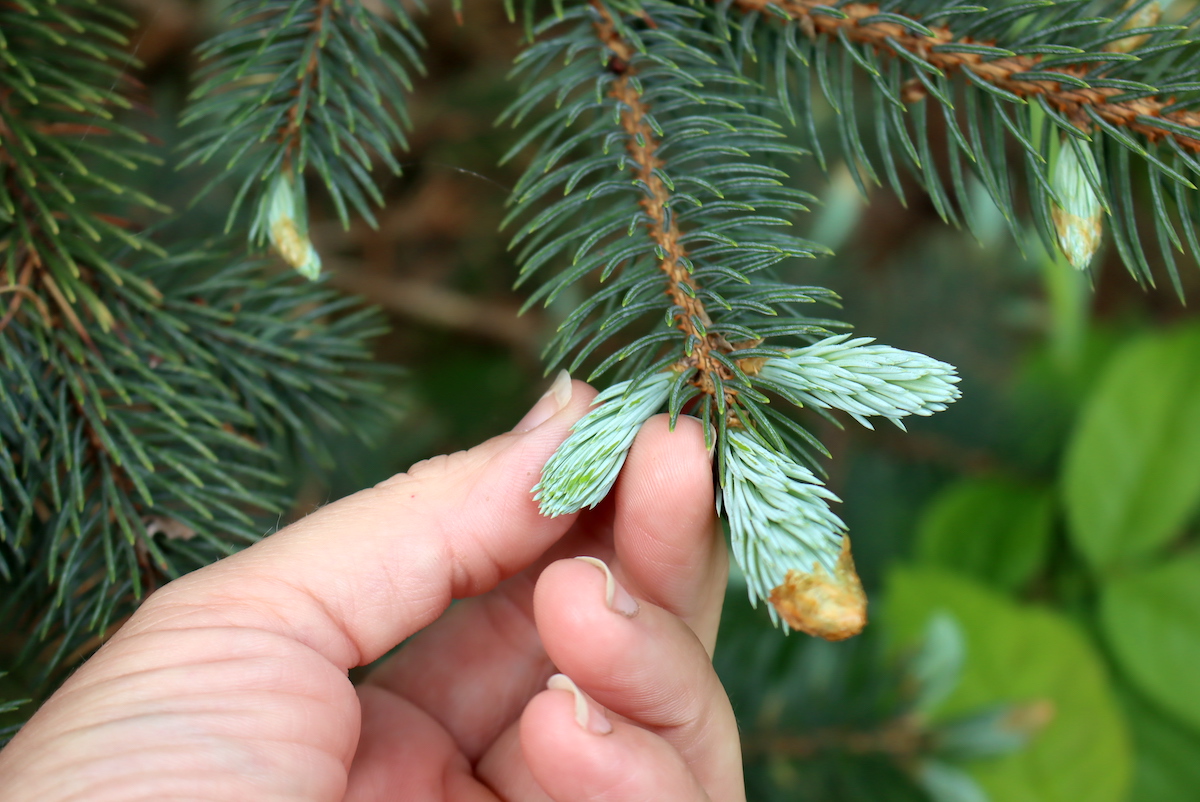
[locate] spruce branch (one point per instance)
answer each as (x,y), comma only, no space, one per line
(665,93)
(295,84)
(62,209)
(1067,88)
(1119,85)
(152,404)
(676,205)
(166,443)
(643,144)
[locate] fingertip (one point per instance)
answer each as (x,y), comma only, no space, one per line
(588,715)
(572,763)
(652,669)
(556,411)
(670,462)
(556,398)
(580,632)
(520,456)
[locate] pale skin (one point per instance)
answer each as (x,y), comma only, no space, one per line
(231,683)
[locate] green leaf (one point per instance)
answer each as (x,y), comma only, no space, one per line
(993,529)
(1021,654)
(1132,473)
(1151,620)
(1166,769)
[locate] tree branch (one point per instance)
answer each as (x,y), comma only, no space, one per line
(901,739)
(862,24)
(683,289)
(435,305)
(290,131)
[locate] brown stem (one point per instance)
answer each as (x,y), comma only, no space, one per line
(1071,101)
(901,739)
(289,132)
(683,289)
(430,303)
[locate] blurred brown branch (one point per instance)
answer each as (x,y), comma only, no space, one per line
(430,303)
(165,28)
(902,739)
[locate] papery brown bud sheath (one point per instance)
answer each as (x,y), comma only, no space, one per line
(833,608)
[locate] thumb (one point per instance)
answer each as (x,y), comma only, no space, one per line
(360,575)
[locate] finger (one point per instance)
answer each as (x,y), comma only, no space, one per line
(359,576)
(504,769)
(498,664)
(493,645)
(649,668)
(669,544)
(403,748)
(577,756)
(491,641)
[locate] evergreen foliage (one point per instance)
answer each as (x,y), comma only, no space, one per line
(153,395)
(661,120)
(153,392)
(294,84)
(1040,76)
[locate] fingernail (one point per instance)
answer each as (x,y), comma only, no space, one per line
(588,714)
(553,400)
(615,597)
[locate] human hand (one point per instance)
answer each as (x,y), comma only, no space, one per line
(231,682)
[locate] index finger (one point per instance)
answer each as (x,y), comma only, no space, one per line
(665,528)
(362,574)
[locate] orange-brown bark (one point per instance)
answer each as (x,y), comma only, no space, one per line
(643,144)
(1073,102)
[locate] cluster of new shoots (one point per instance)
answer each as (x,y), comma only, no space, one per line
(679,192)
(791,547)
(584,468)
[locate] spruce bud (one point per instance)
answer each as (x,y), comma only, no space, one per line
(790,545)
(1078,221)
(583,469)
(283,218)
(864,379)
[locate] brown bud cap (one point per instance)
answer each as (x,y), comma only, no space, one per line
(833,608)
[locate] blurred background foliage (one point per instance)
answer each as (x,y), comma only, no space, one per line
(1037,541)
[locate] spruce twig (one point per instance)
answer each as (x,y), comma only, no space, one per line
(690,314)
(1024,76)
(682,116)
